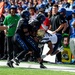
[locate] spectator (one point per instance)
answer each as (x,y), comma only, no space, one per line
(56,26)
(33,14)
(65,40)
(7,5)
(35,3)
(19,10)
(40,4)
(71,4)
(50,4)
(10,20)
(30,4)
(62,12)
(19,4)
(12,2)
(2,36)
(65,4)
(16,2)
(26,2)
(24,6)
(6,11)
(48,12)
(72,34)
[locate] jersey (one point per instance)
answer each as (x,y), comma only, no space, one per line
(22,24)
(49,37)
(11,20)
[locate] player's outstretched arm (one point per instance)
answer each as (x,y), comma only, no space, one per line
(3,28)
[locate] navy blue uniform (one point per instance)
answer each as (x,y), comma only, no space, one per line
(23,39)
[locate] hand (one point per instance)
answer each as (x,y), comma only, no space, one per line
(54,32)
(5,31)
(62,32)
(36,39)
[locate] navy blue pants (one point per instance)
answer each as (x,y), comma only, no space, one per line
(26,43)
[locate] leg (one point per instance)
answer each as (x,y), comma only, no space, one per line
(41,63)
(34,46)
(2,43)
(21,45)
(58,44)
(53,50)
(5,49)
(50,47)
(72,46)
(58,55)
(9,51)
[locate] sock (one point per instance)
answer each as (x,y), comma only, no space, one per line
(41,63)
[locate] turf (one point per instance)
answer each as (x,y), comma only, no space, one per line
(46,63)
(27,71)
(4,70)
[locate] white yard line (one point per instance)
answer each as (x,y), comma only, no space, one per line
(36,66)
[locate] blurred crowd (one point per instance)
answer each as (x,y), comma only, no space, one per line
(60,19)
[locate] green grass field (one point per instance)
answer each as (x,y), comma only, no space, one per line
(5,70)
(27,71)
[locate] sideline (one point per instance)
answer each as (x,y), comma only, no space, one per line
(36,66)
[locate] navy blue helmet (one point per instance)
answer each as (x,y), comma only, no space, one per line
(25,14)
(37,21)
(41,18)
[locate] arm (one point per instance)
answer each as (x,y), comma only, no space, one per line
(50,46)
(3,28)
(59,28)
(60,23)
(50,27)
(65,27)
